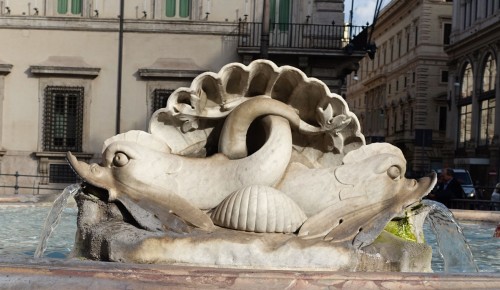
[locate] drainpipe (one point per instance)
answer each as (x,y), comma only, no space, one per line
(264,34)
(120,60)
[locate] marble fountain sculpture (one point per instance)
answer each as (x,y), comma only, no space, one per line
(256,166)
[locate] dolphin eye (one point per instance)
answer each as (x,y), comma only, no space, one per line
(120,159)
(394,172)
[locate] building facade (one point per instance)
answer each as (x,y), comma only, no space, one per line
(474,127)
(400,95)
(76,72)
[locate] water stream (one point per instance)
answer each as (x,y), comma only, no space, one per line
(451,242)
(54,217)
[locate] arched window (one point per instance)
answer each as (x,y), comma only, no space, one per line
(489,74)
(74,6)
(467,82)
(487,102)
(465,107)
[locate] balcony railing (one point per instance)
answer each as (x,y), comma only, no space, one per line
(301,36)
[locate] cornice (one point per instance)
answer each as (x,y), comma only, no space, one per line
(112,25)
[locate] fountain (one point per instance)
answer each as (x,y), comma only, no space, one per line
(255,174)
(252,167)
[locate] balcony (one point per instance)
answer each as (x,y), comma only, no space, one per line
(303,39)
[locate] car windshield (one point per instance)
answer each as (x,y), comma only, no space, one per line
(463,178)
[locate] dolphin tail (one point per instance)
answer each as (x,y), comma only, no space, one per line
(159,203)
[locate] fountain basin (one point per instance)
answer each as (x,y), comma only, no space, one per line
(50,274)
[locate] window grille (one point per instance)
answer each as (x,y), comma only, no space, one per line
(62,173)
(63,119)
(160,97)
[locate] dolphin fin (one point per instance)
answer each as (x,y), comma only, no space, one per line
(320,224)
(150,222)
(144,218)
(158,202)
(340,223)
(364,225)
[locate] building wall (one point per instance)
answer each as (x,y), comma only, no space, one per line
(43,48)
(475,35)
(399,94)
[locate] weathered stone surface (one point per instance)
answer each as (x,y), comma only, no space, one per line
(104,235)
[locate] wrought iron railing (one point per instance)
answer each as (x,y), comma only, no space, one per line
(16,183)
(305,36)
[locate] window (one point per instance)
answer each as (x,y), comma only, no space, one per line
(416,35)
(407,30)
(442,118)
(177,8)
(487,125)
(467,82)
(444,76)
(399,44)
(446,33)
(385,53)
(392,48)
(489,74)
(62,173)
(63,119)
(465,120)
(73,6)
(487,102)
(160,98)
(280,11)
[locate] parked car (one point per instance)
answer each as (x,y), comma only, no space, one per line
(463,176)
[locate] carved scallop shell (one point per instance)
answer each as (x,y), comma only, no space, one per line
(212,96)
(260,209)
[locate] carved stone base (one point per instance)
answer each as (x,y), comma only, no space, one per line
(107,232)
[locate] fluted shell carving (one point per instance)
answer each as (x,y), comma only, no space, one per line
(260,209)
(213,96)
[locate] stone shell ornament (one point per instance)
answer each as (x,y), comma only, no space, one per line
(260,209)
(190,113)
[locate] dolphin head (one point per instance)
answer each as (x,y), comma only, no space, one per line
(125,165)
(136,175)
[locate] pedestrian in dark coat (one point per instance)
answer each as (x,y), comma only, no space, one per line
(449,188)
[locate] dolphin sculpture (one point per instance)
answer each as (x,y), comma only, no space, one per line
(319,181)
(156,179)
(353,201)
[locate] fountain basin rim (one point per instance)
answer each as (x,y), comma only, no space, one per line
(109,275)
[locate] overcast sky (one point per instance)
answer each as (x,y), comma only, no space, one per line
(363,10)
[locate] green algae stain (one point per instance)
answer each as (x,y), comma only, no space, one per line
(401,228)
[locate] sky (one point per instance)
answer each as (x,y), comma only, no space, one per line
(363,10)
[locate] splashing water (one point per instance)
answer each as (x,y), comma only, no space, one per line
(450,239)
(54,217)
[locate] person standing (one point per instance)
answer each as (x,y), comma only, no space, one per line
(495,196)
(448,189)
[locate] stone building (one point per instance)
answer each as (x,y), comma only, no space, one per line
(474,127)
(74,72)
(400,95)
